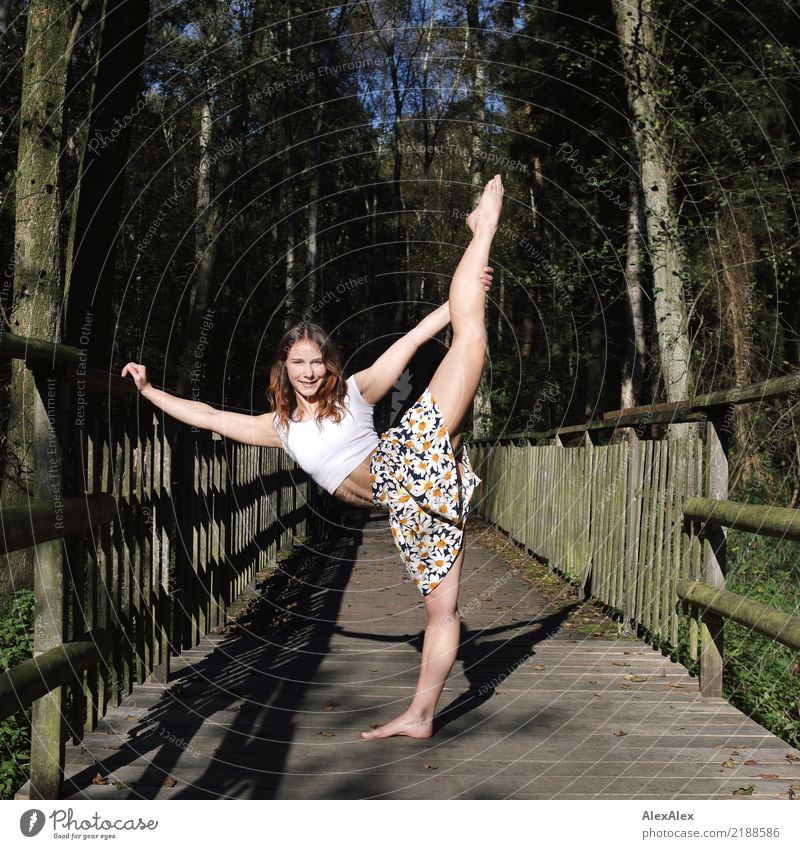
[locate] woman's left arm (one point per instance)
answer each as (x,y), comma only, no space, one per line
(374,382)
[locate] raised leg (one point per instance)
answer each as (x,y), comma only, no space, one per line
(456,380)
(439,649)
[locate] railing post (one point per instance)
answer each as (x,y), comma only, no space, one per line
(712,625)
(161,550)
(587,501)
(47,728)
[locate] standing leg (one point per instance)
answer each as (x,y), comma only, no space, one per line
(439,649)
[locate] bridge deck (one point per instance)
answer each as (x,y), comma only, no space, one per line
(274,710)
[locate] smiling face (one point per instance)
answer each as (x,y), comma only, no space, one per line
(305,368)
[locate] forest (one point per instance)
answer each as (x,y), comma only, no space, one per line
(207,174)
(181,182)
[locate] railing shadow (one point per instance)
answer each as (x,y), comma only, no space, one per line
(257,679)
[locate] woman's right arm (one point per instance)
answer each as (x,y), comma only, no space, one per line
(251,430)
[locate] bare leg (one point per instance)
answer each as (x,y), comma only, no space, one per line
(456,380)
(453,387)
(439,650)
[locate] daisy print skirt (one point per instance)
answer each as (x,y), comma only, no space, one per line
(414,475)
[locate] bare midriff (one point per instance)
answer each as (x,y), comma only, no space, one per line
(356,488)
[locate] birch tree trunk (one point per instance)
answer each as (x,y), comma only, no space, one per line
(641,67)
(635,344)
(38,255)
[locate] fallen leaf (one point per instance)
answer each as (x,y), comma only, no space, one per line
(769,776)
(124,785)
(735,754)
(676,685)
(626,686)
(719,745)
(617,663)
(636,678)
(792,758)
(789,794)
(539,666)
(620,733)
(750,762)
(430,765)
(747,790)
(593,681)
(794,786)
(98,779)
(728,764)
(130,718)
(679,728)
(170,782)
(331,734)
(329,705)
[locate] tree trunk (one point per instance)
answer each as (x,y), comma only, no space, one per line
(482,404)
(5,6)
(734,254)
(635,344)
(315,179)
(217,169)
(634,25)
(595,365)
(97,204)
(528,327)
(38,256)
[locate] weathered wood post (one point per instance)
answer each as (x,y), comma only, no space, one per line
(713,537)
(588,446)
(633,496)
(47,726)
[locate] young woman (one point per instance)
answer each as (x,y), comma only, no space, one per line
(413,470)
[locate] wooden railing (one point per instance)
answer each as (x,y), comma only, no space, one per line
(179,522)
(620,518)
(710,606)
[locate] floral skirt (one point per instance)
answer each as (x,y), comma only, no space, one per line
(414,475)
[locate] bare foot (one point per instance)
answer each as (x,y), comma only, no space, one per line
(407,724)
(487,212)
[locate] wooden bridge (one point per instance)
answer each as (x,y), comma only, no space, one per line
(143,689)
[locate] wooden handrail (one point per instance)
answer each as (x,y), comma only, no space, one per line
(781,522)
(762,618)
(43,521)
(37,351)
(68,361)
(693,410)
(566,430)
(34,678)
(776,387)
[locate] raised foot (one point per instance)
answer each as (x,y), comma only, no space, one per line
(487,212)
(406,725)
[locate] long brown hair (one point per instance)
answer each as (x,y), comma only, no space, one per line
(281,395)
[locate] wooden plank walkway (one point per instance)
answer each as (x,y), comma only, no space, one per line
(532,710)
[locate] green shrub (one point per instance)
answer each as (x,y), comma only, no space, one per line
(16,646)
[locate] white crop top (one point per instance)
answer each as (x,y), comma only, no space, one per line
(329,454)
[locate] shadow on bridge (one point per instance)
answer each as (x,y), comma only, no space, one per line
(232,715)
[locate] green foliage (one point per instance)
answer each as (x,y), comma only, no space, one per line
(762,678)
(16,646)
